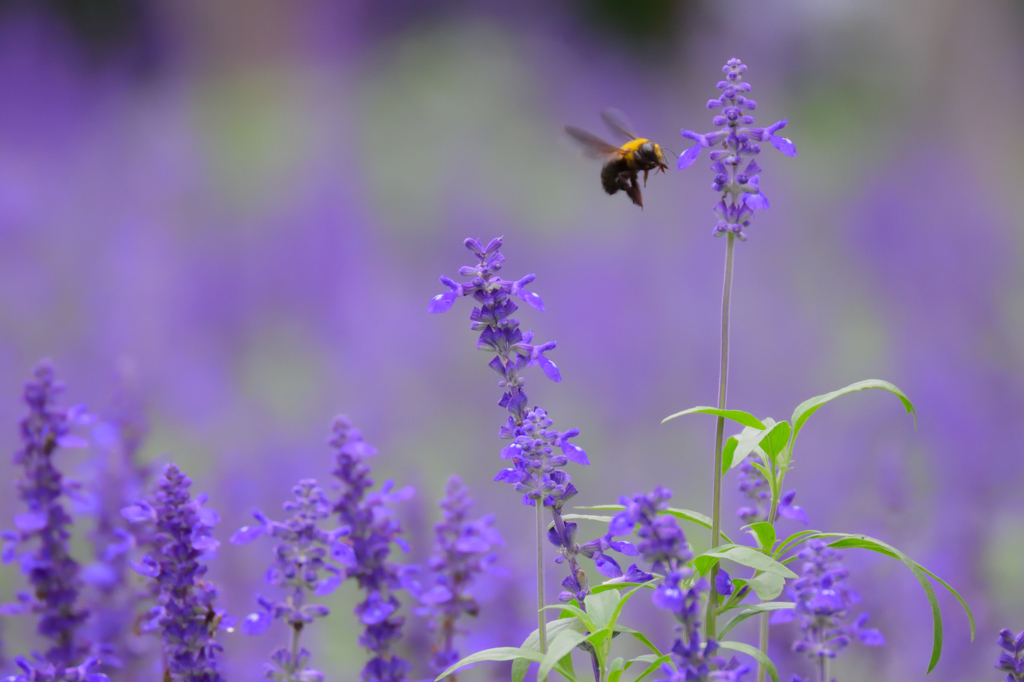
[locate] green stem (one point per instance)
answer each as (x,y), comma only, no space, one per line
(716,509)
(762,671)
(541,623)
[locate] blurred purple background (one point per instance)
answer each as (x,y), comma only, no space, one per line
(238,210)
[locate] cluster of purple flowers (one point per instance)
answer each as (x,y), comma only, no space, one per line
(1011,658)
(184,612)
(301,566)
(823,602)
(463,549)
(372,529)
(537,451)
(754,487)
(54,575)
(663,544)
(735,140)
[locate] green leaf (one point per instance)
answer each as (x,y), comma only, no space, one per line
(728,452)
(793,540)
(644,658)
(503,653)
(638,636)
(765,534)
(746,443)
(616,669)
(746,556)
(654,666)
(805,409)
(922,574)
(753,611)
(775,440)
(694,517)
(613,619)
(574,610)
(753,653)
(767,586)
(560,647)
(601,606)
(521,665)
(739,416)
(585,517)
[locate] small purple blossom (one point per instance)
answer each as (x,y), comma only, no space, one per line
(54,575)
(1011,658)
(735,140)
(463,549)
(754,487)
(823,604)
(302,565)
(184,613)
(372,529)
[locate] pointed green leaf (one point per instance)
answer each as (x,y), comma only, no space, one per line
(694,517)
(654,666)
(644,658)
(560,647)
(753,652)
(585,517)
(765,534)
(504,653)
(767,586)
(738,416)
(794,540)
(613,619)
(805,409)
(521,665)
(616,669)
(729,459)
(574,611)
(775,440)
(638,636)
(748,556)
(753,611)
(865,542)
(601,606)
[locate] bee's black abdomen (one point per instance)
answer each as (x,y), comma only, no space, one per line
(610,176)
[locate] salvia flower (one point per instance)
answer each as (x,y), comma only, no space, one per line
(754,487)
(463,549)
(38,671)
(372,528)
(184,614)
(823,605)
(53,574)
(302,565)
(120,478)
(1011,658)
(734,145)
(663,544)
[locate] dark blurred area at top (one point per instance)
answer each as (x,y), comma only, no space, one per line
(129,33)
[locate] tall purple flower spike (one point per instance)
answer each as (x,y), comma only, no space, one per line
(463,549)
(823,605)
(372,529)
(663,544)
(734,142)
(307,560)
(184,614)
(52,572)
(1011,658)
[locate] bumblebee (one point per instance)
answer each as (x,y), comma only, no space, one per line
(621,164)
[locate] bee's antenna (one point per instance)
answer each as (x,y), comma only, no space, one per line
(670,151)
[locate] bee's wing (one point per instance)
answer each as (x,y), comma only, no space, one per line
(593,146)
(617,121)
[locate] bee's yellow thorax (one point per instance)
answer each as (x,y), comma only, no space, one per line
(634,145)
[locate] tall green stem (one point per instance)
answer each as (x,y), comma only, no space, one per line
(723,383)
(541,623)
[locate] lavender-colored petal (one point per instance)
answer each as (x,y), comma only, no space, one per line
(723,582)
(246,534)
(442,302)
(255,623)
(31,521)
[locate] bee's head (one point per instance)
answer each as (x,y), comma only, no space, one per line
(651,153)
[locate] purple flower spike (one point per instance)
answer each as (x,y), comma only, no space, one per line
(1011,659)
(463,549)
(54,575)
(372,529)
(733,146)
(823,604)
(184,613)
(301,566)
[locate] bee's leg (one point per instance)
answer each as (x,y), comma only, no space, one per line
(645,177)
(633,189)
